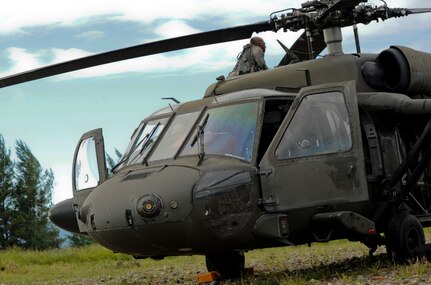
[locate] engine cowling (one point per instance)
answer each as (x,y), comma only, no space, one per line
(400,69)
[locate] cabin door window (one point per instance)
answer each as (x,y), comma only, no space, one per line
(320,126)
(86,170)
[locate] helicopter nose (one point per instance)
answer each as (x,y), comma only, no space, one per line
(63,216)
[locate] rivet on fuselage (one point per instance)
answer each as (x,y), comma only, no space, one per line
(173,204)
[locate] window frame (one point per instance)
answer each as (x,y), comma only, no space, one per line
(296,106)
(164,133)
(257,101)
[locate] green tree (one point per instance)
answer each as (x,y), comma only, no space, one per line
(79,240)
(6,188)
(111,162)
(31,200)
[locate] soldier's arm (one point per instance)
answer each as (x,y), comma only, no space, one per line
(259,57)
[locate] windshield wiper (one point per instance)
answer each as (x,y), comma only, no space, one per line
(146,138)
(149,135)
(200,136)
(129,154)
(148,141)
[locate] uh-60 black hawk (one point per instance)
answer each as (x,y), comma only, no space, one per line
(310,151)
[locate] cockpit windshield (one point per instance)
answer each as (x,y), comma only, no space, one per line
(175,136)
(143,139)
(229,130)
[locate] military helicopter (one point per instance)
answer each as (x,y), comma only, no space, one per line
(314,150)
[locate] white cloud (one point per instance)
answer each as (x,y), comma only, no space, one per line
(61,55)
(16,15)
(175,28)
(23,60)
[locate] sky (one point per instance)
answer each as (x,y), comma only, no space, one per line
(51,114)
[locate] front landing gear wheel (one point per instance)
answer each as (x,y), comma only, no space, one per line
(229,265)
(404,237)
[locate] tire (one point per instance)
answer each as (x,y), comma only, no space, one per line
(230,265)
(403,237)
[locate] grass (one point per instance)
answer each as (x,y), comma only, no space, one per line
(27,267)
(88,265)
(338,262)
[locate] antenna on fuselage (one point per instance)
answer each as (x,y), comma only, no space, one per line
(171,98)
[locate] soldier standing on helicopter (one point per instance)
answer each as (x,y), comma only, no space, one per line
(251,59)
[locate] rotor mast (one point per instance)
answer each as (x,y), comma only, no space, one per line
(333,39)
(329,16)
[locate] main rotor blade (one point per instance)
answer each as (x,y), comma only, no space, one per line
(418,11)
(173,44)
(299,49)
(300,46)
(289,57)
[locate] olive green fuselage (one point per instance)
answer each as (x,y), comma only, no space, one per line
(291,155)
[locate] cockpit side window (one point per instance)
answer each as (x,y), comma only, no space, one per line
(274,113)
(229,130)
(320,125)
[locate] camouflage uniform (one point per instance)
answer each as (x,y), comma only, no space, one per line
(251,59)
